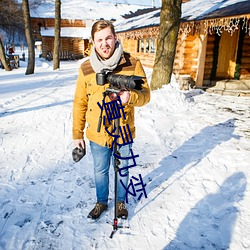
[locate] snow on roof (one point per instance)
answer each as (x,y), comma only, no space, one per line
(79,32)
(197,9)
(145,20)
(85,10)
(192,10)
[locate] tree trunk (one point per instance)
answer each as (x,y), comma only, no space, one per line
(168,34)
(3,57)
(28,33)
(56,59)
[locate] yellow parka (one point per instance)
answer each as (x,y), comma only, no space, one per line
(88,94)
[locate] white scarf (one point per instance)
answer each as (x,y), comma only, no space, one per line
(98,64)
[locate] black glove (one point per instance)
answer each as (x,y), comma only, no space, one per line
(78,153)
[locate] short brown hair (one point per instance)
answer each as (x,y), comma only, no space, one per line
(101,24)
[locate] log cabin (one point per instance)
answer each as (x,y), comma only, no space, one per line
(74,37)
(213,41)
(77,19)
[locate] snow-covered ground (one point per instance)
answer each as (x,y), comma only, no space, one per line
(194,153)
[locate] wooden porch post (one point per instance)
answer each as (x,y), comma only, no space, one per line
(201,60)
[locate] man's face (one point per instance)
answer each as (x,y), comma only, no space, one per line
(104,42)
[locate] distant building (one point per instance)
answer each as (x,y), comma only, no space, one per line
(77,19)
(75,36)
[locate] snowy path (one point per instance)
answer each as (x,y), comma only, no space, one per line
(193,151)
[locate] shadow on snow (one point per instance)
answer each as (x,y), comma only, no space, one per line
(209,225)
(22,110)
(190,153)
(209,215)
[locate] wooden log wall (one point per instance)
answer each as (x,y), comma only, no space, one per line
(186,55)
(190,56)
(66,44)
(178,61)
(146,59)
(131,46)
(185,59)
(73,45)
(50,22)
(79,46)
(47,45)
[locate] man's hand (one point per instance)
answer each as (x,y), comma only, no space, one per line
(124,95)
(79,143)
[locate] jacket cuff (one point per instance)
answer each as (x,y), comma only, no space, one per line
(77,135)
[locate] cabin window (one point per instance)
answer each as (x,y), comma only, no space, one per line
(152,45)
(146,45)
(140,45)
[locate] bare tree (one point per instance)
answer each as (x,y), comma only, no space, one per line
(29,39)
(3,57)
(36,3)
(56,59)
(11,17)
(11,24)
(168,34)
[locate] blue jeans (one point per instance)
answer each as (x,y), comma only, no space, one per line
(102,157)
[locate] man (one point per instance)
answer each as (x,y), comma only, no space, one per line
(107,54)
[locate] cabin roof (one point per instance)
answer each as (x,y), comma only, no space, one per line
(85,10)
(208,9)
(140,21)
(193,10)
